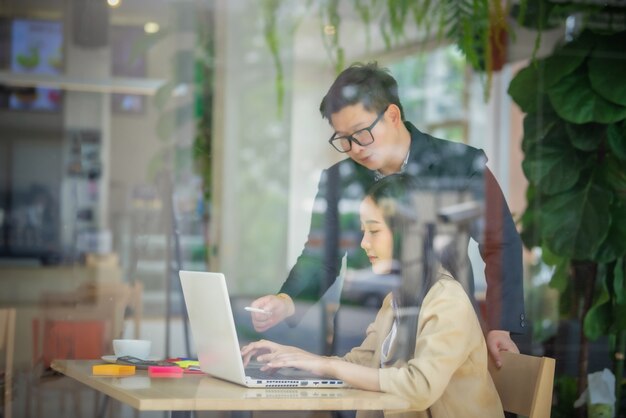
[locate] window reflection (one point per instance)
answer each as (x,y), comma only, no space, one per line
(149,137)
(434,90)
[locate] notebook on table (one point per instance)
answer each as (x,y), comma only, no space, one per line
(217,345)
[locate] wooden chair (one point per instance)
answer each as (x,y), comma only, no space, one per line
(525,384)
(128,298)
(76,325)
(7,345)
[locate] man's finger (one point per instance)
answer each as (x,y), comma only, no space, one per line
(495,355)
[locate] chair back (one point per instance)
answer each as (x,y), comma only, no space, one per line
(80,324)
(7,345)
(525,384)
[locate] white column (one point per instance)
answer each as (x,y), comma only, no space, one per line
(88,111)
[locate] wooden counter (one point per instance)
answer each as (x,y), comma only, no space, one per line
(204,393)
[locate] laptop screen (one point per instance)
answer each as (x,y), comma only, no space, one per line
(213,329)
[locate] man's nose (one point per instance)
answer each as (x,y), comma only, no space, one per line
(356,148)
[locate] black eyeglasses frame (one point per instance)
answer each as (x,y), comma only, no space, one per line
(351,137)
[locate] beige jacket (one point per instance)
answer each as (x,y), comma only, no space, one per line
(448,375)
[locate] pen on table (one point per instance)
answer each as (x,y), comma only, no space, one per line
(258,310)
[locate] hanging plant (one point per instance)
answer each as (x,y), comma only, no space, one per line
(329,14)
(277,23)
(364,9)
(272,39)
(478,27)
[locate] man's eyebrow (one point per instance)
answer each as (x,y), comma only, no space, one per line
(371,221)
(354,128)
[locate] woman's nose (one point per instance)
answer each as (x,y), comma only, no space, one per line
(365,242)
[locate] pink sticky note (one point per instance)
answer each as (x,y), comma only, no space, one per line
(165,371)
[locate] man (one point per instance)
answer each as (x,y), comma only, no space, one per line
(364,109)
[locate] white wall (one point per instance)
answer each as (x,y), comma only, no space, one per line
(251,154)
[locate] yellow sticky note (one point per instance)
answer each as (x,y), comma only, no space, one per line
(112,370)
(186,363)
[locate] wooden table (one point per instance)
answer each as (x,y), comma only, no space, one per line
(197,392)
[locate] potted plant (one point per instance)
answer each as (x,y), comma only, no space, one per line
(575,157)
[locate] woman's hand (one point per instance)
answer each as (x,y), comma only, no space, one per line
(276,355)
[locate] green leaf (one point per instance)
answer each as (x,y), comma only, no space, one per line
(618,281)
(586,137)
(575,101)
(614,246)
(550,258)
(597,321)
(537,125)
(614,176)
(530,234)
(568,301)
(607,66)
(467,23)
(397,11)
(616,135)
(526,88)
(619,318)
(566,59)
(577,221)
(561,277)
(531,82)
(566,391)
(599,317)
(552,164)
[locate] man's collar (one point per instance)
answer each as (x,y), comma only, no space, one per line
(379,176)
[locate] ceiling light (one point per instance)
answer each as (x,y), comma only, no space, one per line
(151,27)
(114,3)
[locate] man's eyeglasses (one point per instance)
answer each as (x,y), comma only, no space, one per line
(363,137)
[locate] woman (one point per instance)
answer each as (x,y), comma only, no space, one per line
(426,343)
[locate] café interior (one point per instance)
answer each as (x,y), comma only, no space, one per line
(143,137)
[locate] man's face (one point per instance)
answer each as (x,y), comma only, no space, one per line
(375,156)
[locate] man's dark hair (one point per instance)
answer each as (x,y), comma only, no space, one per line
(367,84)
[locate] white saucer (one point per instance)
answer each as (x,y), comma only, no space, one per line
(113,358)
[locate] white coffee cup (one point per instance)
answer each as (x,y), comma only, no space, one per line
(135,348)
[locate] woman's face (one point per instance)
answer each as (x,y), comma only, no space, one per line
(377,237)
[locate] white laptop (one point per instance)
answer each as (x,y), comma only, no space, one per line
(217,346)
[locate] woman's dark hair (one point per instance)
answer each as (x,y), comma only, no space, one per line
(394,195)
(367,84)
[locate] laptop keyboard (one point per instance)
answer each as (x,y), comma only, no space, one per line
(256,373)
(288,377)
